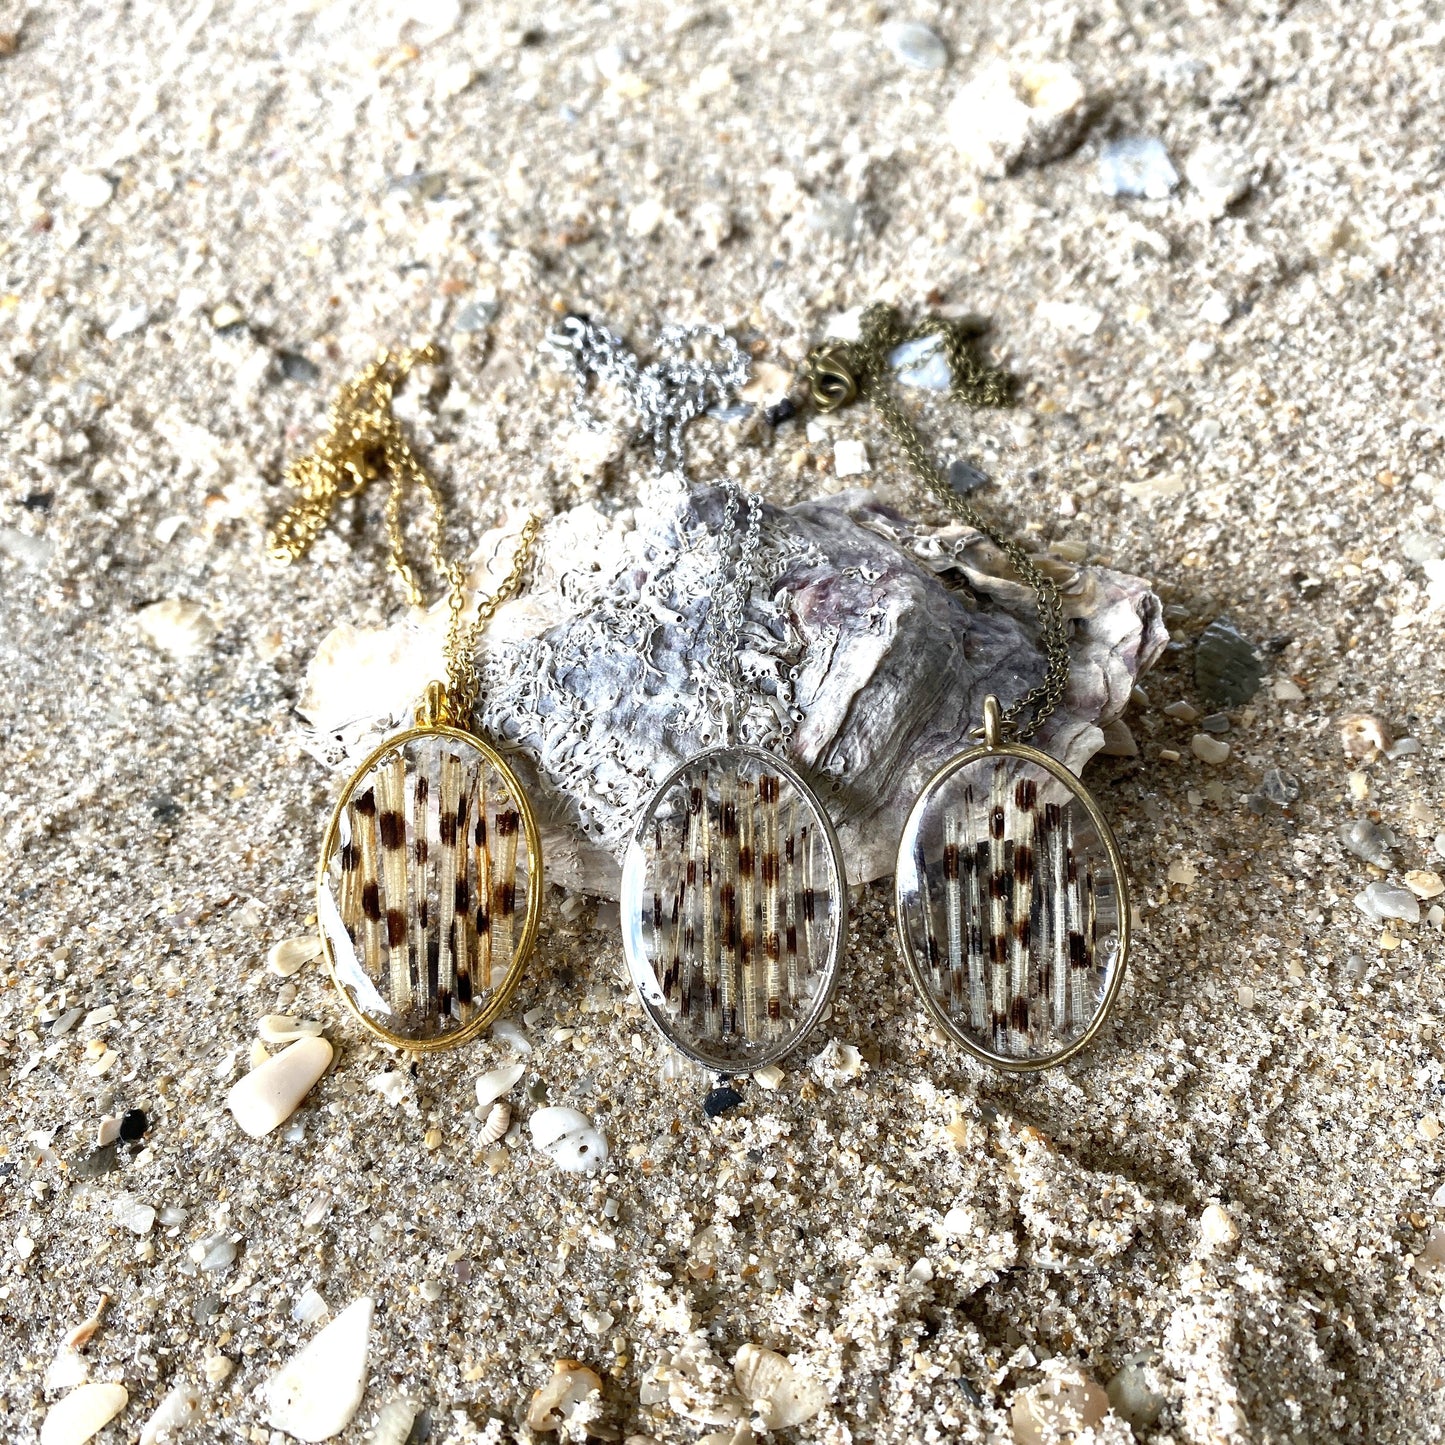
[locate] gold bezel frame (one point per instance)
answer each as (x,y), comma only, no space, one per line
(500,995)
(1106,835)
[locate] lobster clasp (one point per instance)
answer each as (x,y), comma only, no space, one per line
(832,379)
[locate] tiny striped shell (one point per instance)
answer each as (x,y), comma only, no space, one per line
(498,1121)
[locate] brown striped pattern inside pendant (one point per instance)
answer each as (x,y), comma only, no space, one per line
(738,909)
(428,877)
(1011,908)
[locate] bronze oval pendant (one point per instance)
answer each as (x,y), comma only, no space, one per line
(734,909)
(429,888)
(1013,908)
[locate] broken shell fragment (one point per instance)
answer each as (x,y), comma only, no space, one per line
(83,1414)
(572,1384)
(270,1093)
(781,1394)
(492,1085)
(286,1028)
(178,1411)
(293,954)
(394,1421)
(1058,1407)
(569,1139)
(314,1394)
(1363,735)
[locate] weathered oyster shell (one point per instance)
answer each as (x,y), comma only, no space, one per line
(869,642)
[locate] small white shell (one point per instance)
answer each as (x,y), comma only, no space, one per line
(393,1422)
(505,1031)
(83,1413)
(180,1409)
(269,1095)
(286,1028)
(494,1084)
(781,1395)
(394,1085)
(569,1139)
(571,1383)
(498,1121)
(314,1394)
(293,954)
(177,627)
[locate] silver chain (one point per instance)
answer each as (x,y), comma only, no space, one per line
(667,394)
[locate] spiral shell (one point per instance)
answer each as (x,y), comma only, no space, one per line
(498,1121)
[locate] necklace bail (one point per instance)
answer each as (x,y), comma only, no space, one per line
(992,729)
(435,708)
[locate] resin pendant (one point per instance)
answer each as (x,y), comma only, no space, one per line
(429,888)
(1013,910)
(734,909)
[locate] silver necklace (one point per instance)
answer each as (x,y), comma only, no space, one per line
(734,895)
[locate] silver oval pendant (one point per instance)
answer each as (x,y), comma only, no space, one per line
(1013,909)
(734,909)
(429,888)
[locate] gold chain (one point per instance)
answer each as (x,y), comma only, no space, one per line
(363,442)
(840,371)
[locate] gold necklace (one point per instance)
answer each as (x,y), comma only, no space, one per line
(429,883)
(1013,906)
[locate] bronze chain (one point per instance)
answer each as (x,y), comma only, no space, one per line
(840,371)
(364,442)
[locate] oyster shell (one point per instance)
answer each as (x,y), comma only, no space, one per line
(868,645)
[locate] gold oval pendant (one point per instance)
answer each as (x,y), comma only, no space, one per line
(734,909)
(429,888)
(1013,908)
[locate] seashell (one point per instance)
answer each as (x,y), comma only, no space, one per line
(504,1031)
(394,1085)
(314,1395)
(291,955)
(109,1130)
(270,1094)
(569,1139)
(1061,1406)
(310,1307)
(1364,736)
(769,1077)
(838,1063)
(67,1370)
(393,1422)
(180,628)
(855,614)
(131,1214)
(781,1394)
(552,1406)
(496,1082)
(84,1332)
(82,1414)
(286,1028)
(177,1412)
(498,1121)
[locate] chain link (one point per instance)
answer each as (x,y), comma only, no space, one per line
(667,394)
(840,371)
(363,443)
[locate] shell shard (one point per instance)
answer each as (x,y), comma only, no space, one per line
(1017,940)
(426,860)
(733,924)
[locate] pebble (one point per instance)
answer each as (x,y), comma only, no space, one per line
(1216,1227)
(214,1253)
(97,1163)
(557,1401)
(83,1414)
(394,1085)
(1382,901)
(1227,668)
(291,955)
(178,1411)
(850,458)
(133,1125)
(720,1100)
(915,45)
(1279,787)
(131,1214)
(1402,748)
(1131,1397)
(569,1139)
(1287,690)
(1137,167)
(1363,735)
(1220,175)
(88,190)
(295,367)
(109,1130)
(128,322)
(645,219)
(1207,749)
(394,1421)
(1216,308)
(964,477)
(496,1082)
(217,1368)
(781,1394)
(476,316)
(227,315)
(1182,712)
(270,1094)
(768,1077)
(1424,883)
(177,627)
(1009,116)
(310,1307)
(506,1032)
(1368,840)
(922,363)
(1071,318)
(315,1394)
(1216,722)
